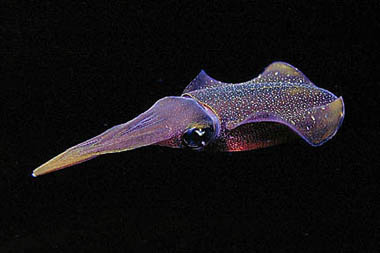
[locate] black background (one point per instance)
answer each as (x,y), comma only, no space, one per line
(72,70)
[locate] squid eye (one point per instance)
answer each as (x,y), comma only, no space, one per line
(197,138)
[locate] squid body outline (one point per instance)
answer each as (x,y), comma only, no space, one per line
(276,106)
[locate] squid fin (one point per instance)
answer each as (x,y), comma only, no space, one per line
(202,81)
(282,72)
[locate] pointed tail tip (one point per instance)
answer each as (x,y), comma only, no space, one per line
(38,172)
(66,159)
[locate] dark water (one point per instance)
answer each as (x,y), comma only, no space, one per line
(70,71)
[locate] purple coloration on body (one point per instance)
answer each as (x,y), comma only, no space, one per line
(278,105)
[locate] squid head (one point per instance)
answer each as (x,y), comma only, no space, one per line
(278,105)
(172,121)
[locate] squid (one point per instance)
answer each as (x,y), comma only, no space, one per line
(279,105)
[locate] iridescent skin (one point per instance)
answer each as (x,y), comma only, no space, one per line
(281,94)
(278,105)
